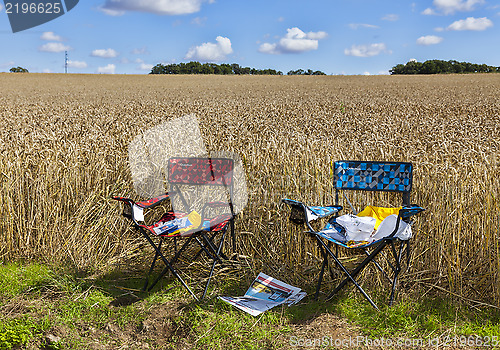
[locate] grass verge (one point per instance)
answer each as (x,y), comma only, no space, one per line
(48,308)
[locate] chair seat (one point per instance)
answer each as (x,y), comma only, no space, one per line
(215,224)
(336,232)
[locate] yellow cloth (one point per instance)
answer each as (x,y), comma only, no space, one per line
(379,213)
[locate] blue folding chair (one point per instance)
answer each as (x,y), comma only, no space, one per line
(361,176)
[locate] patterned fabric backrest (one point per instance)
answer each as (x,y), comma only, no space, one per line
(373,176)
(200,171)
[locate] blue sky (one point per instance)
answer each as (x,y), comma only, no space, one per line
(336,37)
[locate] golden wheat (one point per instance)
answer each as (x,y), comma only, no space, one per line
(63,149)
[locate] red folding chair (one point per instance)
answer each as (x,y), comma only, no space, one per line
(187,178)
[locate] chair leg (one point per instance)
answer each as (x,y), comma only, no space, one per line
(168,265)
(146,283)
(172,262)
(219,248)
(377,265)
(350,277)
(408,254)
(325,263)
(398,258)
(233,235)
(221,254)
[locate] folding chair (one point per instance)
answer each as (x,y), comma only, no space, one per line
(395,234)
(186,177)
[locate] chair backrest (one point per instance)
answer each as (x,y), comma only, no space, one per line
(200,171)
(213,178)
(374,176)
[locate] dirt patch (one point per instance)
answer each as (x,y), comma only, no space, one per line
(322,331)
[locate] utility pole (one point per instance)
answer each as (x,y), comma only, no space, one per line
(65,61)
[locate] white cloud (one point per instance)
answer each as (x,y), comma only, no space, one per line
(104,53)
(109,69)
(428,11)
(362,25)
(140,51)
(366,73)
(391,17)
(269,48)
(295,41)
(199,21)
(145,66)
(111,12)
(50,36)
(211,51)
(159,7)
(54,47)
(46,70)
(429,40)
(366,50)
(77,64)
(471,23)
(449,7)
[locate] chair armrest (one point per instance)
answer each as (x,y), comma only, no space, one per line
(135,210)
(303,214)
(408,211)
(151,203)
(404,214)
(122,199)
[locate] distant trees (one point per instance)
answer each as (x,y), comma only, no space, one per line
(18,70)
(209,68)
(303,72)
(442,67)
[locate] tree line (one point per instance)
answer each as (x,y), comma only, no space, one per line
(305,72)
(18,70)
(209,68)
(442,67)
(195,67)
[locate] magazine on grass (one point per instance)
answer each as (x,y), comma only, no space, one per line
(264,293)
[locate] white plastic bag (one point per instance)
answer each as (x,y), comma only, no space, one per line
(387,227)
(357,228)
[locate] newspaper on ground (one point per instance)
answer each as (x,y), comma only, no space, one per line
(265,293)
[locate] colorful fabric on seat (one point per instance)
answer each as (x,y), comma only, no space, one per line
(178,226)
(336,233)
(160,228)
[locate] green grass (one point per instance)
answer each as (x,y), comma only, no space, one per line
(416,317)
(216,325)
(16,278)
(36,300)
(17,332)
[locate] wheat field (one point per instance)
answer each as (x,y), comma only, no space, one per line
(63,152)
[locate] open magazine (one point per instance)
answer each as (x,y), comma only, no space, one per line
(264,293)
